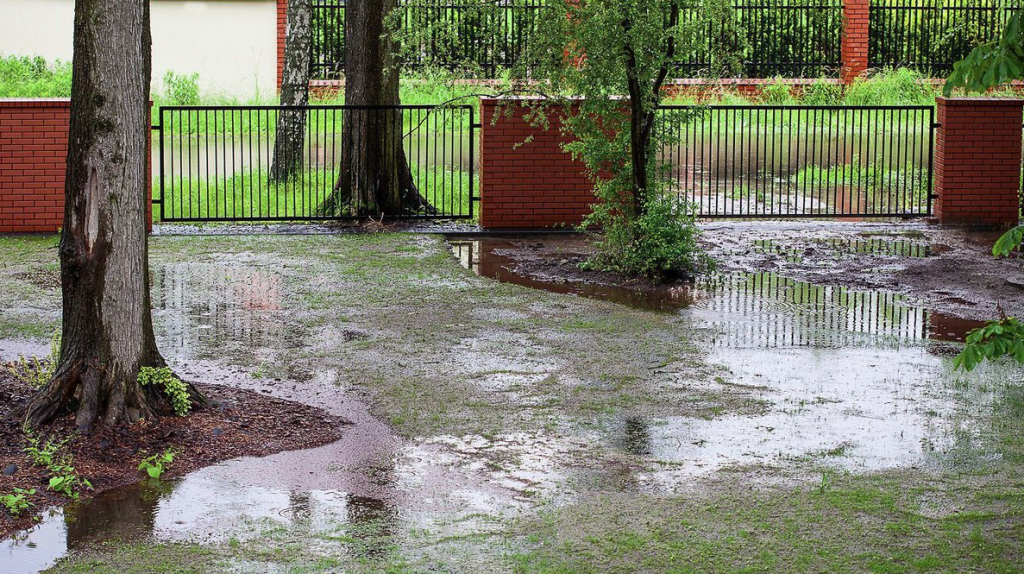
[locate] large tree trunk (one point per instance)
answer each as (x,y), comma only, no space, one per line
(374,178)
(291,124)
(107,326)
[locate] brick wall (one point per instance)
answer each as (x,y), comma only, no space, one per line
(33,157)
(282,26)
(856,21)
(528,185)
(978,160)
(33,151)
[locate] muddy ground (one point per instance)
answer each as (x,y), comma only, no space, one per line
(774,424)
(944,269)
(237,423)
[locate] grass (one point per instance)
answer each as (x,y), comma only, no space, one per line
(253,195)
(959,511)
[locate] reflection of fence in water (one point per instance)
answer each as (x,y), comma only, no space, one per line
(770,161)
(763,310)
(215,308)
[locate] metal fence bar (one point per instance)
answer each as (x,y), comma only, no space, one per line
(224,163)
(930,35)
(799,161)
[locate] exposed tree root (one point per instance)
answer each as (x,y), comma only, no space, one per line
(97,395)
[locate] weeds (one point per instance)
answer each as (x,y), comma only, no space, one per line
(43,455)
(173,387)
(157,464)
(17,502)
(63,477)
(35,371)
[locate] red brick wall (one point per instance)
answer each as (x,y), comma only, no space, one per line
(33,151)
(856,21)
(978,160)
(33,156)
(282,22)
(528,185)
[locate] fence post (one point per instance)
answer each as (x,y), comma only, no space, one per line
(978,161)
(282,26)
(856,25)
(527,181)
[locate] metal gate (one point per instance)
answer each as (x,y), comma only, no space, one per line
(216,163)
(799,161)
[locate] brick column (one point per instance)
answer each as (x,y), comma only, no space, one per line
(978,161)
(33,165)
(856,22)
(528,185)
(282,23)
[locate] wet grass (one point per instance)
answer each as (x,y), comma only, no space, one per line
(252,194)
(29,286)
(439,352)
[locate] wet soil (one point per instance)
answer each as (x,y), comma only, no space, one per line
(238,423)
(947,270)
(481,408)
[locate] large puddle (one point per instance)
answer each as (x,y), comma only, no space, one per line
(854,380)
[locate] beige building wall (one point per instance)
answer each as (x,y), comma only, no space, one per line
(232,44)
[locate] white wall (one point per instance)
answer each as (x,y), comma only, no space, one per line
(232,44)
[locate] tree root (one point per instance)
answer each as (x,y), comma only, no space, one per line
(96,395)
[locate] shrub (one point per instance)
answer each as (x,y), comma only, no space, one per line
(894,87)
(181,89)
(173,387)
(34,77)
(660,244)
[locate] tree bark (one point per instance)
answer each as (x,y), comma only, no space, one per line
(375,178)
(291,124)
(107,325)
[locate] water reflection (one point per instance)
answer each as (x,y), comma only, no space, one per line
(200,509)
(753,310)
(210,311)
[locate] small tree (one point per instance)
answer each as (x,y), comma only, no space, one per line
(290,136)
(375,178)
(607,82)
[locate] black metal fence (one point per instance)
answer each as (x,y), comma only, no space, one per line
(223,163)
(931,35)
(792,38)
(799,161)
(451,32)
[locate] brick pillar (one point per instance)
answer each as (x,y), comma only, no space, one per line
(978,161)
(282,23)
(856,22)
(526,180)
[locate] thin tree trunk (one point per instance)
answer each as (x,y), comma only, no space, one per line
(375,178)
(107,326)
(291,124)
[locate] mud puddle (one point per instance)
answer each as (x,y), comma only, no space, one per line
(857,380)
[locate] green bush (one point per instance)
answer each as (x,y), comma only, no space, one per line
(660,244)
(181,89)
(34,77)
(895,87)
(173,387)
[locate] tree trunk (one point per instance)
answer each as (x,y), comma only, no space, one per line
(375,178)
(107,326)
(291,125)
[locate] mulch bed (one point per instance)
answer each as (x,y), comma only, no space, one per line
(238,423)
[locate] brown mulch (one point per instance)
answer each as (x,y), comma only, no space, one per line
(238,423)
